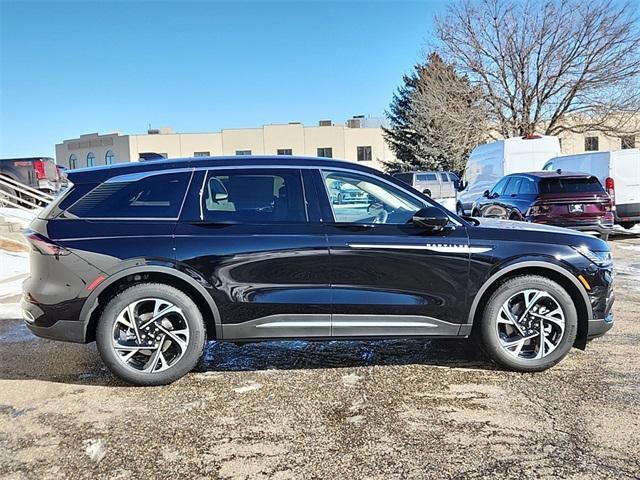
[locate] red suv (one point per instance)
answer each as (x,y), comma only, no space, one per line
(564,199)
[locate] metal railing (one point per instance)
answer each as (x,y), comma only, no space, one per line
(17,195)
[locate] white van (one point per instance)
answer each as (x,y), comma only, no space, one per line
(490,162)
(618,171)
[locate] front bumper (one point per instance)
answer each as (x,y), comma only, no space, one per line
(599,327)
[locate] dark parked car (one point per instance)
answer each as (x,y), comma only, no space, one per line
(152,259)
(572,200)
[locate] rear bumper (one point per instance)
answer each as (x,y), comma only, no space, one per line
(627,212)
(44,323)
(599,327)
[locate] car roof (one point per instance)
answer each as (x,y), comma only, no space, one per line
(551,174)
(103,173)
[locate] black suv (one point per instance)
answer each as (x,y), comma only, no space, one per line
(152,259)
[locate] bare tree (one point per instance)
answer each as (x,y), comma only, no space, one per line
(550,66)
(436,119)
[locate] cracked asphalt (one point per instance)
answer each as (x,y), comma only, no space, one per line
(359,410)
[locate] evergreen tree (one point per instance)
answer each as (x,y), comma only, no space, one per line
(436,118)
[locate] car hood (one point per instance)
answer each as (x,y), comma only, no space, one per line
(511,230)
(526,226)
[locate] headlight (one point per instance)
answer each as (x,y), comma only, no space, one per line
(602,259)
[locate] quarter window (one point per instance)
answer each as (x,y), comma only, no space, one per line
(513,186)
(326,152)
(73,162)
(361,199)
(109,157)
(527,186)
(253,196)
(154,196)
(364,154)
(91,159)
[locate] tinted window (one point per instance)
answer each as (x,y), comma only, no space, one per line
(513,186)
(154,196)
(426,177)
(443,177)
(499,187)
(253,196)
(570,185)
(404,177)
(363,199)
(527,186)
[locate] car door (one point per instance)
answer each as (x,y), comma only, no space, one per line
(390,277)
(252,236)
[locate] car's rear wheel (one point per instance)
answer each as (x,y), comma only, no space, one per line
(151,334)
(529,324)
(627,224)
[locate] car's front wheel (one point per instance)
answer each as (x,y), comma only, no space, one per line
(151,334)
(529,324)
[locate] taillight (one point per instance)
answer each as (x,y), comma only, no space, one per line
(610,187)
(44,245)
(38,165)
(538,209)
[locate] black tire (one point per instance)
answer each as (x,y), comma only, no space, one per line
(191,314)
(475,213)
(427,192)
(459,210)
(627,225)
(489,334)
(515,216)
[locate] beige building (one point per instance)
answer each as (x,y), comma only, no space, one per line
(359,140)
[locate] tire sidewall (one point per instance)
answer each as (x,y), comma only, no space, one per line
(489,335)
(193,316)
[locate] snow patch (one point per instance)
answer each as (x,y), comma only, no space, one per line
(95,449)
(250,387)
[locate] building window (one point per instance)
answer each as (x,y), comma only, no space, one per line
(91,159)
(628,142)
(73,161)
(590,144)
(285,151)
(364,154)
(243,152)
(326,152)
(201,154)
(109,157)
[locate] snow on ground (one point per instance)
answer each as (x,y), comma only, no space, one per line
(14,268)
(16,214)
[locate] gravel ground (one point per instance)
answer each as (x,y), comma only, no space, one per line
(290,410)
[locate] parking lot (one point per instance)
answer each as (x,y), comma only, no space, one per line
(389,409)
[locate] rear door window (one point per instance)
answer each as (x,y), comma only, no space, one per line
(570,185)
(253,196)
(157,195)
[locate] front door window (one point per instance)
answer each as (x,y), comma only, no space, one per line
(362,199)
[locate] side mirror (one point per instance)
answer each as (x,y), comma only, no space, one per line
(486,194)
(430,218)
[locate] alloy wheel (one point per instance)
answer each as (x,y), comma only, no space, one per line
(150,335)
(530,324)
